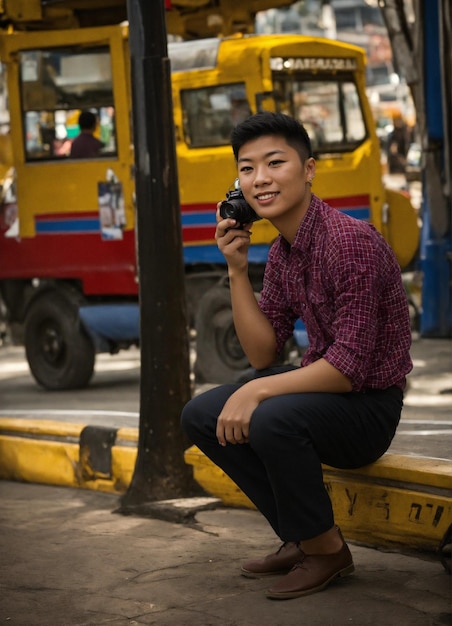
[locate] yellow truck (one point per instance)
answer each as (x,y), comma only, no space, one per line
(68,270)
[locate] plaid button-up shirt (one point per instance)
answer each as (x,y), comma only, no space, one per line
(343,280)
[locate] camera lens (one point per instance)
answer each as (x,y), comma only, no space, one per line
(228,210)
(236,207)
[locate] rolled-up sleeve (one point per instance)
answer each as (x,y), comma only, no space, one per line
(354,326)
(357,291)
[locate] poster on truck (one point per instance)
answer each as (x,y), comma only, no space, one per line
(112,217)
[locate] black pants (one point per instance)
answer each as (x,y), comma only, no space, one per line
(290,437)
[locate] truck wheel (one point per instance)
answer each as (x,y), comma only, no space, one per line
(219,356)
(59,352)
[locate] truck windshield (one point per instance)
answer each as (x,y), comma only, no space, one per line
(210,113)
(56,86)
(329,109)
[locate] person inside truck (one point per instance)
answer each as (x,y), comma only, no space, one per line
(399,141)
(238,112)
(85,145)
(341,407)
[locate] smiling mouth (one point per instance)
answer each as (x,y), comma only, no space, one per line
(266,196)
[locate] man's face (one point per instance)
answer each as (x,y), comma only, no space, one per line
(273,178)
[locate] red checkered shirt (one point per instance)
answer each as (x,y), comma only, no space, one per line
(343,280)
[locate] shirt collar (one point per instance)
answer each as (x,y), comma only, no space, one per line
(305,230)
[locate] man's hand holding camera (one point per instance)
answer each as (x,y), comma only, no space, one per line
(233,241)
(235,218)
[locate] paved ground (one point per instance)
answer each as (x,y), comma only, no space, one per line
(68,560)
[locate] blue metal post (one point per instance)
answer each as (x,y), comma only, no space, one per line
(436,241)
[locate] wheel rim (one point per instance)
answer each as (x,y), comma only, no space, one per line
(52,343)
(228,345)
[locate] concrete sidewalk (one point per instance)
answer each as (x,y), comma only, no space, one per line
(68,560)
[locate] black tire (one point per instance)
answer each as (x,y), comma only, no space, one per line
(219,355)
(59,352)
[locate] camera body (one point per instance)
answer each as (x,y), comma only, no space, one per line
(236,207)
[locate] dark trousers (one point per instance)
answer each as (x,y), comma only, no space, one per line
(290,437)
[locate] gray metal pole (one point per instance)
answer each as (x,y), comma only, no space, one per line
(160,471)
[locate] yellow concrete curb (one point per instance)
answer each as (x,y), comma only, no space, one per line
(56,453)
(399,501)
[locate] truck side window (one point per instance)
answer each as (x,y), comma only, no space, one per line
(4,112)
(56,85)
(210,113)
(6,149)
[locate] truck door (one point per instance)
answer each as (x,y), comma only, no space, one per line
(62,217)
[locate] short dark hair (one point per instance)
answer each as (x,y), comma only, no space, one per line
(87,120)
(269,123)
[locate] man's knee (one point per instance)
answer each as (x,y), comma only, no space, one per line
(190,417)
(200,414)
(263,426)
(274,422)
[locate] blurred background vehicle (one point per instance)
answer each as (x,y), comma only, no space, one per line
(413,162)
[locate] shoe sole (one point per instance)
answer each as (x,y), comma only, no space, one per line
(248,574)
(306,592)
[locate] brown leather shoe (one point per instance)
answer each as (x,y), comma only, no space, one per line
(312,573)
(281,562)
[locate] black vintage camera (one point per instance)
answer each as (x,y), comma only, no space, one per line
(237,208)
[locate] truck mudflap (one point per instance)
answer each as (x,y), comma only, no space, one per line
(400,226)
